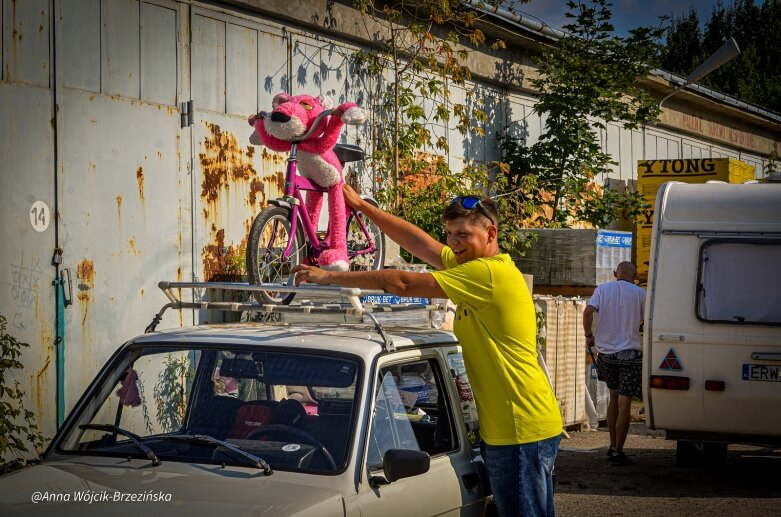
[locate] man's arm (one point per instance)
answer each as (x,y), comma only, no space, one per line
(588,320)
(402,283)
(406,234)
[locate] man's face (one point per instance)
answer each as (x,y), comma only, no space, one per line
(470,240)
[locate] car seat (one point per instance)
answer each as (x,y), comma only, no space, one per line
(251,416)
(214,416)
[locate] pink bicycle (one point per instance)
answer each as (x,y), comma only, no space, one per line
(283,236)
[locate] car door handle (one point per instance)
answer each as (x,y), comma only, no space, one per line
(470,480)
(766,356)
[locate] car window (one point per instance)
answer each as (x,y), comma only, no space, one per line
(735,282)
(411,411)
(466,397)
(295,410)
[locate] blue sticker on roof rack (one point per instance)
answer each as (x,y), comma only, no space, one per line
(393,299)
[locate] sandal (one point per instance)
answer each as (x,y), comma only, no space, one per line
(621,459)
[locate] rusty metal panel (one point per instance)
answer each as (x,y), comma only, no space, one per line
(80,44)
(208,62)
(158,54)
(120,48)
(123,225)
(26,41)
(27,234)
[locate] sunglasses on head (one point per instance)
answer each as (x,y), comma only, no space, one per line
(472,202)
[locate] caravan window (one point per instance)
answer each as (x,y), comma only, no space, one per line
(739,282)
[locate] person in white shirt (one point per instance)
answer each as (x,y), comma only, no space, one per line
(620,306)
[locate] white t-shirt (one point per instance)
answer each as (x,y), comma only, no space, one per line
(620,305)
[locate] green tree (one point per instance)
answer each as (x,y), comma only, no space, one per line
(418,60)
(682,52)
(588,80)
(752,76)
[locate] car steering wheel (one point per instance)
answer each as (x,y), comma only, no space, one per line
(279,429)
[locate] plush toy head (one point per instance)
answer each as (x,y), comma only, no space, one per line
(291,118)
(292,115)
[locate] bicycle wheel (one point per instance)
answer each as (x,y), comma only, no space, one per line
(358,243)
(268,238)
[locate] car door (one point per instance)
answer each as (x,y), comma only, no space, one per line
(415,407)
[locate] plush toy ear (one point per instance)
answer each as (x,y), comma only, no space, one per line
(280,98)
(325,102)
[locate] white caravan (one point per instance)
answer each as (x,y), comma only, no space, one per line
(712,340)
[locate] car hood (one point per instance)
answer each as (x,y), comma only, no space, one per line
(117,487)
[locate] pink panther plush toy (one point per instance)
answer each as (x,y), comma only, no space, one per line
(292,116)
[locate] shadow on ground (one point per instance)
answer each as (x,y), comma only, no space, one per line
(582,467)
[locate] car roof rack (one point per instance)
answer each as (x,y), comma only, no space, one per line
(354,306)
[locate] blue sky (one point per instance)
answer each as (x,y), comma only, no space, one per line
(627,14)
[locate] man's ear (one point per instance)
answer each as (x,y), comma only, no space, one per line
(492,233)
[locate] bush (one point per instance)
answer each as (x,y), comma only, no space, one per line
(18,441)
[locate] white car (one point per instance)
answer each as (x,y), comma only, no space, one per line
(267,418)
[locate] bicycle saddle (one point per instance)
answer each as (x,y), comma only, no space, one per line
(348,153)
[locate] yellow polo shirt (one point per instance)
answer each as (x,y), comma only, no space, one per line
(496,326)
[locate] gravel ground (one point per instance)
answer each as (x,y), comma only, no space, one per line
(747,484)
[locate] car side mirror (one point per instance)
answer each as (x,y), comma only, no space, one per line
(401,463)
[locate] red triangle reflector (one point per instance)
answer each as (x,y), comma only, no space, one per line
(670,362)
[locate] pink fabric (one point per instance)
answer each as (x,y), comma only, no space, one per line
(317,161)
(128,393)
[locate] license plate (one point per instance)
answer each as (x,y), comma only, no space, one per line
(761,372)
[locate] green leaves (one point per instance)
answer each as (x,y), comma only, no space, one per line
(19,434)
(587,81)
(752,76)
(169,391)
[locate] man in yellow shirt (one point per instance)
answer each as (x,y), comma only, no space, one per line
(520,423)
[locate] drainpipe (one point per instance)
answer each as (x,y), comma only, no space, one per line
(59,286)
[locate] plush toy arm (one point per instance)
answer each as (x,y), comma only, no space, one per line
(330,135)
(352,114)
(273,143)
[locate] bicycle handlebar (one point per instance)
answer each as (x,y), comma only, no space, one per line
(312,129)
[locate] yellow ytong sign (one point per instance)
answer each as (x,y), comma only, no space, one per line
(652,173)
(704,169)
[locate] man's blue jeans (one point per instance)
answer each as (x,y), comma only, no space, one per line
(521,477)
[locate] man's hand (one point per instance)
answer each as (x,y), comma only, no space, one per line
(311,274)
(352,198)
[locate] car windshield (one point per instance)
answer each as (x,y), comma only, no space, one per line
(270,410)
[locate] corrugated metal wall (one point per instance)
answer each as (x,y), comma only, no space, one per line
(141,198)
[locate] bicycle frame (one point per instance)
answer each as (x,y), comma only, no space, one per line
(294,186)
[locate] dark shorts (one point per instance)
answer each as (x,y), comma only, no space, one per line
(622,371)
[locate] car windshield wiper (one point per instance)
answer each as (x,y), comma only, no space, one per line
(124,432)
(255,460)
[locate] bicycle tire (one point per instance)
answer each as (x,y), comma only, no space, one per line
(356,242)
(267,240)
